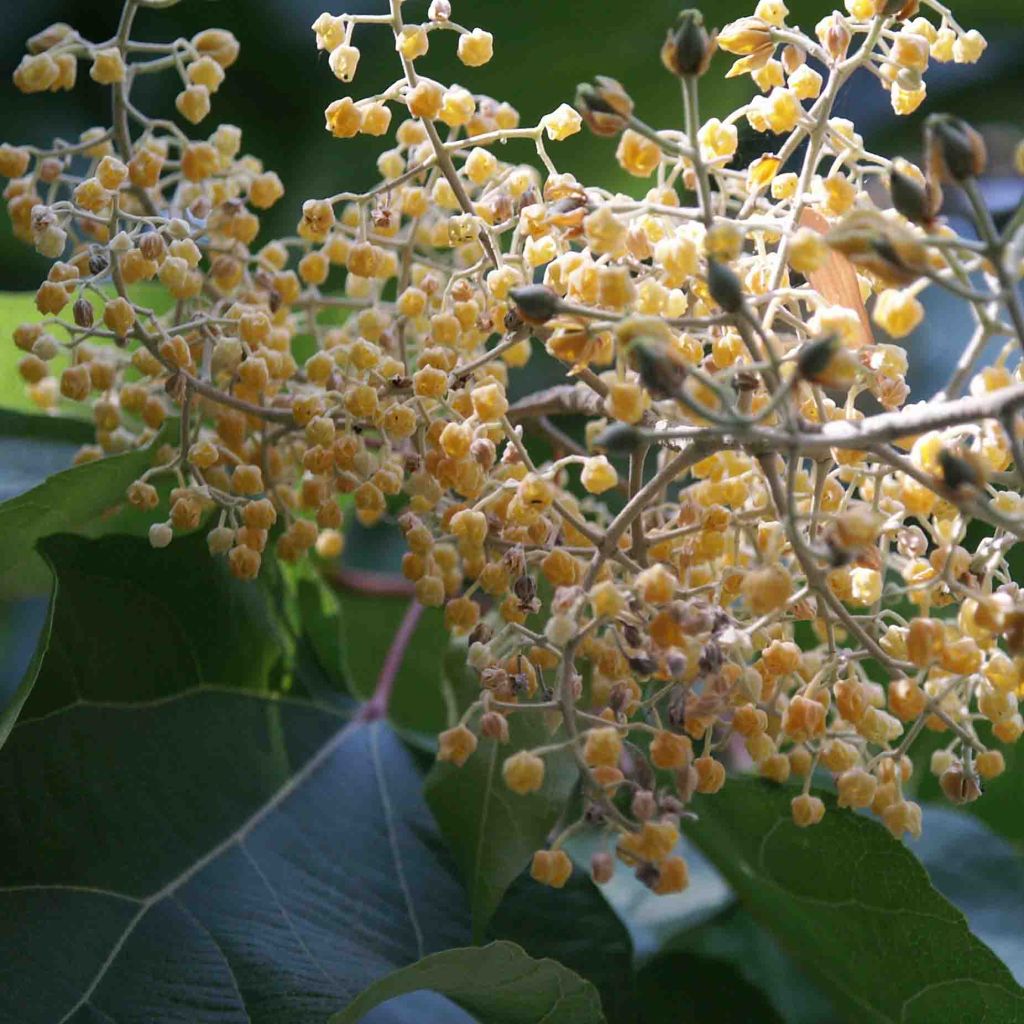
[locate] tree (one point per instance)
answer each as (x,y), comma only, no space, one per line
(774,590)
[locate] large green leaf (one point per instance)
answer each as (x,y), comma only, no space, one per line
(492,831)
(16,690)
(498,984)
(179,852)
(369,624)
(320,623)
(79,499)
(575,926)
(686,988)
(753,969)
(856,908)
(132,622)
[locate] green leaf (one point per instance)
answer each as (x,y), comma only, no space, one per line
(312,614)
(492,831)
(498,984)
(78,499)
(687,988)
(735,948)
(320,613)
(132,622)
(575,926)
(369,623)
(856,908)
(180,852)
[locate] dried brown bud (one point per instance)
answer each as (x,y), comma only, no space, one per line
(725,287)
(536,303)
(900,9)
(83,313)
(961,469)
(644,806)
(793,58)
(954,151)
(482,634)
(484,452)
(828,362)
(918,202)
(605,105)
(494,726)
(960,786)
(836,38)
(872,242)
(688,49)
(152,246)
(619,437)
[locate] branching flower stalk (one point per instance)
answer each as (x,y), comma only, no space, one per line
(794,561)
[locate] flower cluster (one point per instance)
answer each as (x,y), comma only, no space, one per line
(756,551)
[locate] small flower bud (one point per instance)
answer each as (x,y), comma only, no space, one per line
(688,49)
(807,810)
(494,726)
(523,772)
(643,806)
(160,535)
(456,745)
(725,287)
(954,151)
(605,106)
(439,10)
(220,540)
(536,302)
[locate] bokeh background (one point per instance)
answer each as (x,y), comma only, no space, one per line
(276,93)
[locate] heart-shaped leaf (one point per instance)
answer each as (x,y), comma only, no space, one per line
(498,984)
(577,927)
(134,623)
(183,852)
(856,908)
